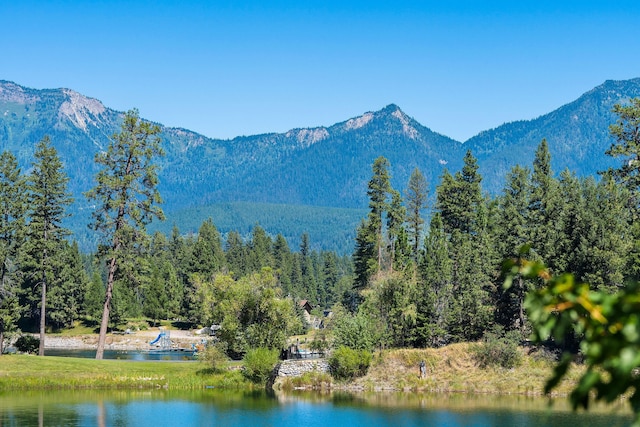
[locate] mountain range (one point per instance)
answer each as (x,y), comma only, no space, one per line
(313,169)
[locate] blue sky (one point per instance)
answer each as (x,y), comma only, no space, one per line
(229,68)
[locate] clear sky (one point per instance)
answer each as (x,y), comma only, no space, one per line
(228,68)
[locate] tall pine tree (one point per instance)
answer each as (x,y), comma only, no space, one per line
(126,198)
(48,199)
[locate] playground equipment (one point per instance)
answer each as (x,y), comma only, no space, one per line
(163,340)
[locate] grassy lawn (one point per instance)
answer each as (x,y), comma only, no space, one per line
(449,369)
(21,372)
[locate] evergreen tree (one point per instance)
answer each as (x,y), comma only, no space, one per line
(66,299)
(48,198)
(94,297)
(330,278)
(459,196)
(260,250)
(395,229)
(571,221)
(364,259)
(12,222)
(308,279)
(465,221)
(156,298)
(379,188)
(283,263)
(544,207)
(435,289)
(236,255)
(207,257)
(416,197)
(126,198)
(369,249)
(513,234)
(626,132)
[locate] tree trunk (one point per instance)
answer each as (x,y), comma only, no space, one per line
(43,312)
(104,324)
(521,302)
(1,342)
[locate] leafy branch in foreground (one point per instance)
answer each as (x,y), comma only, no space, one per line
(608,326)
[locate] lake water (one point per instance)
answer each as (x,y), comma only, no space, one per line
(137,355)
(232,408)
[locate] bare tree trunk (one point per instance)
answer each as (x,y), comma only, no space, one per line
(104,324)
(43,312)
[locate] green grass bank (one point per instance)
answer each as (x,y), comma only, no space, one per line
(449,369)
(28,372)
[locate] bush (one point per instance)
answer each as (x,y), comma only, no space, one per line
(346,363)
(319,343)
(27,344)
(259,364)
(498,348)
(214,356)
(355,331)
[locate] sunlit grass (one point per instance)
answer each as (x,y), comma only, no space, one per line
(23,372)
(453,369)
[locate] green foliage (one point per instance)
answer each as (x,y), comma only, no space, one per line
(498,348)
(27,344)
(390,307)
(258,364)
(12,223)
(214,356)
(435,288)
(357,331)
(346,363)
(207,256)
(48,199)
(627,146)
(320,342)
(251,311)
(126,196)
(459,196)
(608,325)
(328,228)
(416,197)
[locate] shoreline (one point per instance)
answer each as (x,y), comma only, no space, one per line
(127,342)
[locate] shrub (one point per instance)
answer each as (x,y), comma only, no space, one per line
(498,348)
(346,363)
(319,343)
(27,344)
(259,364)
(214,356)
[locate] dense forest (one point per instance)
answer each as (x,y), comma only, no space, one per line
(411,281)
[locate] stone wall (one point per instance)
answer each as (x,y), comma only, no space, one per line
(295,368)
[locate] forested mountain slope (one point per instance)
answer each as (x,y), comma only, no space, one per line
(322,167)
(577,134)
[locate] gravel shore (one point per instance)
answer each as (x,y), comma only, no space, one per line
(134,341)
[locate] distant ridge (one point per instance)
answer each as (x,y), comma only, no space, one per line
(577,133)
(326,166)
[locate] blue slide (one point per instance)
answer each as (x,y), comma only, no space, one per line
(157,339)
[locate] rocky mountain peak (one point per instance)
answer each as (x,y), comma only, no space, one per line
(11,92)
(79,109)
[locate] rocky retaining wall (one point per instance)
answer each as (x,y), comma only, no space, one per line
(296,368)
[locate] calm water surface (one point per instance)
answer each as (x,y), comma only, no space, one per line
(232,408)
(137,355)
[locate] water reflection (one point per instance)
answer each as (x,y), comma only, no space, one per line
(137,355)
(241,408)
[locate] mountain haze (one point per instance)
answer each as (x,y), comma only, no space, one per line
(314,167)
